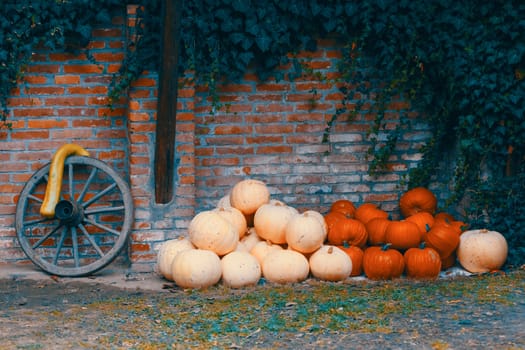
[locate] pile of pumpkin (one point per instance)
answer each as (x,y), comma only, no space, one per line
(249,236)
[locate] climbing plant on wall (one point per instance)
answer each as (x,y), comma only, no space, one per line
(461,64)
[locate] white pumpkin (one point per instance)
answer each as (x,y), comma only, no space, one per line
(285,266)
(240,269)
(305,232)
(208,230)
(167,252)
(196,268)
(270,221)
(329,263)
(236,217)
(482,250)
(263,248)
(248,195)
(321,219)
(251,239)
(224,202)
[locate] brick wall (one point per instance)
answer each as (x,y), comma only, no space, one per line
(271,131)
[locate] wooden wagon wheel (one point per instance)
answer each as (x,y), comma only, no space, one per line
(91,224)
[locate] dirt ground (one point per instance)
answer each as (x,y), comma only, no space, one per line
(466,313)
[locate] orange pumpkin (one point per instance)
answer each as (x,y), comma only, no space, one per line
(416,200)
(343,206)
(344,229)
(444,216)
(449,261)
(422,263)
(443,238)
(367,211)
(376,229)
(382,263)
(423,220)
(356,255)
(403,234)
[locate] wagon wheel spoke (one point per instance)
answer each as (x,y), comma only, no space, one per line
(101,210)
(86,185)
(45,237)
(35,198)
(103,227)
(74,239)
(60,245)
(99,195)
(37,221)
(91,240)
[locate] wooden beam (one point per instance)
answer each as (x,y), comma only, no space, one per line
(167,102)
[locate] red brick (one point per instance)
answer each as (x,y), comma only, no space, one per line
(43,68)
(90,90)
(66,101)
(264,139)
(45,90)
(67,79)
(232,129)
(272,87)
(46,124)
(83,68)
(273,108)
(35,79)
(274,129)
(65,56)
(111,133)
(96,45)
(24,101)
(235,88)
(67,134)
(224,140)
(145,82)
(108,56)
(29,134)
(273,149)
(220,161)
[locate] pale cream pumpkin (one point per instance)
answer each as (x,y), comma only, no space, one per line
(241,247)
(248,195)
(329,263)
(270,221)
(240,269)
(285,266)
(196,268)
(167,252)
(305,232)
(224,202)
(482,250)
(263,248)
(251,238)
(321,219)
(236,217)
(208,230)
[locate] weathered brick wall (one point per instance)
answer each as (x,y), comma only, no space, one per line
(271,131)
(61,99)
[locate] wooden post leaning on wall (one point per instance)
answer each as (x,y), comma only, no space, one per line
(167,102)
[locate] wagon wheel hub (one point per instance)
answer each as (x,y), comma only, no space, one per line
(69,212)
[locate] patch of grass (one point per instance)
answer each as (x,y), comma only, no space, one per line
(219,315)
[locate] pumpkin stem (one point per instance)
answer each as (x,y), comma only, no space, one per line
(386,246)
(423,245)
(330,250)
(427,227)
(346,245)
